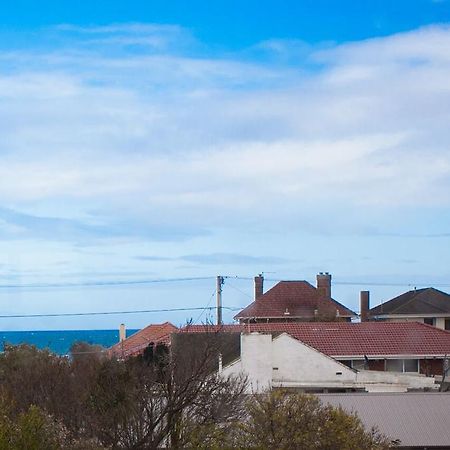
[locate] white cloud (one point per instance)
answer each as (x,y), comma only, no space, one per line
(170,135)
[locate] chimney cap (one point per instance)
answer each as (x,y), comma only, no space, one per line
(324,274)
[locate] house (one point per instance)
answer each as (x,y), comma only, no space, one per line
(419,420)
(428,305)
(138,342)
(336,356)
(294,301)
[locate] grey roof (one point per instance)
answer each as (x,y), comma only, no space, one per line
(416,419)
(418,301)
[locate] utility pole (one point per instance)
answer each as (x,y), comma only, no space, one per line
(220,282)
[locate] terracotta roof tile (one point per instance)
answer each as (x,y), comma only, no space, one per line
(136,343)
(353,339)
(299,298)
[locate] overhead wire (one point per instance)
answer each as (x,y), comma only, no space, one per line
(361,283)
(206,307)
(237,289)
(108,313)
(101,283)
(168,280)
(109,283)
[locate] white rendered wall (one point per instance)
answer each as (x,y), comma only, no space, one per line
(376,381)
(286,362)
(256,360)
(297,361)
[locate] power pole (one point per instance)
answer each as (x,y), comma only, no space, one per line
(220,282)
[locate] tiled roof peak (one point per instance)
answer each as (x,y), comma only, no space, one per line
(137,342)
(299,298)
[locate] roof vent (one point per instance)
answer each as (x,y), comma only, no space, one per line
(287,313)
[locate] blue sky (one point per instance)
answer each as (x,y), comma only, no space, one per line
(154,140)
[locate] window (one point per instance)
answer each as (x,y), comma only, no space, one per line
(359,364)
(430,321)
(402,365)
(447,324)
(346,363)
(410,365)
(394,365)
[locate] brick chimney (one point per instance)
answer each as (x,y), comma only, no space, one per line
(364,303)
(259,282)
(325,309)
(323,280)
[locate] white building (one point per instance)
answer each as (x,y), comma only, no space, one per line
(282,361)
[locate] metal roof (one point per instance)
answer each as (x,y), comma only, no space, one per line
(416,419)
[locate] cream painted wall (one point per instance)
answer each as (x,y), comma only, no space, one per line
(297,361)
(287,362)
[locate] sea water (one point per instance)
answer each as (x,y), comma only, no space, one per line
(60,341)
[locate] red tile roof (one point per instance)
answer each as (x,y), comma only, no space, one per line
(136,343)
(299,298)
(344,339)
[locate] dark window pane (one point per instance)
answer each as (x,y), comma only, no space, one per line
(411,365)
(394,365)
(358,364)
(346,363)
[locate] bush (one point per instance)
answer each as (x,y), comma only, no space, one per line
(297,421)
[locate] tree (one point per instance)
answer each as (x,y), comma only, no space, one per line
(36,377)
(34,429)
(164,398)
(297,421)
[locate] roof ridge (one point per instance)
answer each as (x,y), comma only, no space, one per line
(407,302)
(430,305)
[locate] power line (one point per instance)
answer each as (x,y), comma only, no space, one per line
(359,283)
(101,283)
(112,283)
(238,290)
(206,307)
(109,313)
(362,283)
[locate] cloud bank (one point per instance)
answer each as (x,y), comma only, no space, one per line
(144,122)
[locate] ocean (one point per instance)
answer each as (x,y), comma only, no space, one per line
(60,341)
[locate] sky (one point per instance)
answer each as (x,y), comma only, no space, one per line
(143,141)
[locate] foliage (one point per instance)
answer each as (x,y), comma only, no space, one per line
(145,402)
(35,430)
(297,421)
(170,399)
